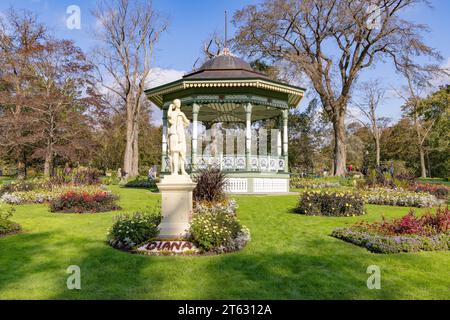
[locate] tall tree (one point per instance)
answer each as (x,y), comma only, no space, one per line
(331,41)
(21,38)
(418,80)
(129,33)
(307,131)
(436,107)
(368,101)
(62,95)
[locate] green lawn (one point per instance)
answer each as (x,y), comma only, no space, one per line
(290,257)
(4,179)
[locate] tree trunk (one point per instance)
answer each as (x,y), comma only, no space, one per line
(135,158)
(377,150)
(48,164)
(340,152)
(21,172)
(422,162)
(131,157)
(423,168)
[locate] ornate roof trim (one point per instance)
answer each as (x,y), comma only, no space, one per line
(156,94)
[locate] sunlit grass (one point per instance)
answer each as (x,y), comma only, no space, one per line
(289,257)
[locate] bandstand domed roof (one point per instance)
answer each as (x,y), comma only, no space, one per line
(226,77)
(225,66)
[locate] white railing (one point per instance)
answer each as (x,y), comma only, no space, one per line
(265,185)
(236,185)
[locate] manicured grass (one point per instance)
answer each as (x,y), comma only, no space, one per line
(4,179)
(289,257)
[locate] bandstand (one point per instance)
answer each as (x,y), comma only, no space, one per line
(225,92)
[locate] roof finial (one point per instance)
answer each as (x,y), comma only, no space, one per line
(226,51)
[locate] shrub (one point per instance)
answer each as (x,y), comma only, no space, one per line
(439,191)
(399,198)
(330,204)
(427,224)
(211,184)
(22,186)
(131,230)
(406,234)
(74,201)
(377,178)
(111,178)
(300,183)
(140,183)
(6,225)
(77,176)
(227,207)
(218,232)
(215,227)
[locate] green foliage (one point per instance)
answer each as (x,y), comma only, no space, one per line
(129,230)
(376,178)
(300,183)
(140,182)
(210,185)
(77,176)
(218,233)
(6,225)
(215,227)
(339,204)
(307,131)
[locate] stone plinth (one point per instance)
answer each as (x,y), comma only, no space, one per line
(176,205)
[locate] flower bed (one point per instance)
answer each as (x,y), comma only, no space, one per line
(140,183)
(402,198)
(322,203)
(301,183)
(131,230)
(216,228)
(439,191)
(407,234)
(76,201)
(38,196)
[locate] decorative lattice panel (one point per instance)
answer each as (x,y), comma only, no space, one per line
(236,185)
(261,185)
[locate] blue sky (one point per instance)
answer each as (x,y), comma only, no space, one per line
(191,22)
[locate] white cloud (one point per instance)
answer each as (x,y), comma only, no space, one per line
(158,77)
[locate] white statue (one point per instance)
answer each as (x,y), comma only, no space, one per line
(177,139)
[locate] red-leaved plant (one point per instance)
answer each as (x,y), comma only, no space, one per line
(78,202)
(410,224)
(439,191)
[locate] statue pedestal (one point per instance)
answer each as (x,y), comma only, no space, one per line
(176,205)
